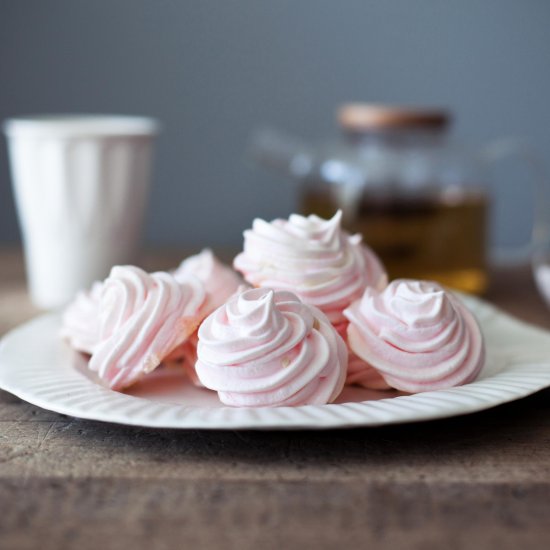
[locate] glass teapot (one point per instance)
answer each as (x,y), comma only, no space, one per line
(418,200)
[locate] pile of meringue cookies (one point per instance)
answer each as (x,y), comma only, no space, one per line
(312,312)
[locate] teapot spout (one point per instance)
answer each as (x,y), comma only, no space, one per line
(281,153)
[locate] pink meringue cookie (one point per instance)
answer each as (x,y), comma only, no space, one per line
(418,336)
(360,373)
(143,318)
(266,348)
(80,321)
(187,353)
(313,258)
(219,280)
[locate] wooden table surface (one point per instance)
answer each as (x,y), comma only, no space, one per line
(478,481)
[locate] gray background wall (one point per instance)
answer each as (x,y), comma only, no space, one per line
(214,70)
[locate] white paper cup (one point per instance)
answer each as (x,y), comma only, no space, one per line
(81,186)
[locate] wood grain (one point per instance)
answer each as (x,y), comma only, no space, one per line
(478,481)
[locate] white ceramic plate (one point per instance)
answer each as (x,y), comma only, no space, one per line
(38,367)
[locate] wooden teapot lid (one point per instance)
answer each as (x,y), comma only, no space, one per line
(361,117)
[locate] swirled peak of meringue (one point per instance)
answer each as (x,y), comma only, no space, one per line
(142,319)
(312,257)
(219,280)
(417,335)
(266,348)
(80,321)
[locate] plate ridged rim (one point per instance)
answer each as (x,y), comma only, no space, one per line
(525,369)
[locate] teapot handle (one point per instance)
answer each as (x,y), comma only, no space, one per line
(538,246)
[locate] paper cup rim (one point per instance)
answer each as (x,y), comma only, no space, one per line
(79,125)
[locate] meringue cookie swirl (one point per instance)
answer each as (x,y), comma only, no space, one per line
(314,258)
(142,319)
(219,280)
(416,335)
(80,321)
(266,348)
